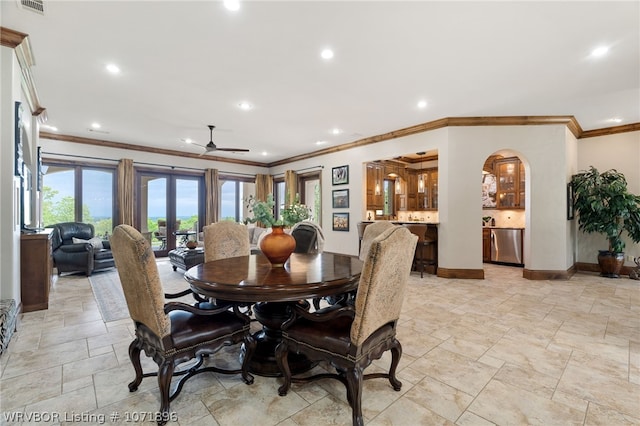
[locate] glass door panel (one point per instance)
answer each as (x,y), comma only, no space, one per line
(97,200)
(187,204)
(153,212)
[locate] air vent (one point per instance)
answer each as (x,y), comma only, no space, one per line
(33,5)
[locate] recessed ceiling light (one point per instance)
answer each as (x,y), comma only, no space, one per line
(336,131)
(321,142)
(599,51)
(245,106)
(95,125)
(187,140)
(113,69)
(232,5)
(422,104)
(264,152)
(616,120)
(326,54)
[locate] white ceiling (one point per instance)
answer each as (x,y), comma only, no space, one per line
(188,64)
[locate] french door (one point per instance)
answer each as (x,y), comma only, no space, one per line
(168,204)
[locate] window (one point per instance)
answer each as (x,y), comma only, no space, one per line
(311,195)
(233,194)
(78,193)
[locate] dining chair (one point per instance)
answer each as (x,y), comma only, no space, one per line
(172,333)
(226,239)
(371,231)
(349,337)
(306,237)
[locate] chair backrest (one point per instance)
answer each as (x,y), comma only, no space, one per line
(370,233)
(162,228)
(141,284)
(383,281)
(306,237)
(226,239)
(66,231)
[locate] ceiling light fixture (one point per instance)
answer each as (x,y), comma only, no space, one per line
(398,183)
(232,5)
(95,125)
(422,104)
(336,131)
(113,69)
(421,175)
(321,142)
(326,54)
(599,51)
(616,120)
(246,106)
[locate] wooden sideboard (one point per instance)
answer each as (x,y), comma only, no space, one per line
(36,270)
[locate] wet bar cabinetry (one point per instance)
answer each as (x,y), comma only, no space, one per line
(510,182)
(36,270)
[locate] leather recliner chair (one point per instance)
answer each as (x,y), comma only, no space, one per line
(93,254)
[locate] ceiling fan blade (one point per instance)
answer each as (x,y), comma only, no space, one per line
(232,149)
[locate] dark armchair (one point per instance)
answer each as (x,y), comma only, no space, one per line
(77,249)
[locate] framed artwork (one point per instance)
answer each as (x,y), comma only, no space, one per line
(340,175)
(341,221)
(570,199)
(18,142)
(340,198)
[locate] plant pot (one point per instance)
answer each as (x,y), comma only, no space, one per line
(277,246)
(610,263)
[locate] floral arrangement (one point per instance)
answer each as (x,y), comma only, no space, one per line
(263,212)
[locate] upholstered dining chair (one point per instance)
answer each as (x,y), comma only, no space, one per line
(350,337)
(371,231)
(226,239)
(171,333)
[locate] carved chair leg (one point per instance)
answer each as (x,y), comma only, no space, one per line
(250,347)
(396,353)
(282,352)
(165,372)
(134,356)
(354,388)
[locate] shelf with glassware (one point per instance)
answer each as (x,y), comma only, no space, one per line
(421,190)
(375,178)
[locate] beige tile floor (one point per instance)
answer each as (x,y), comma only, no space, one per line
(503,351)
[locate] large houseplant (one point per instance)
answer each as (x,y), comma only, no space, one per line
(277,246)
(605,206)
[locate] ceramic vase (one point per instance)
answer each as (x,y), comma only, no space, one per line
(277,246)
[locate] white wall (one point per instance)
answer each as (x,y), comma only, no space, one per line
(9,184)
(620,152)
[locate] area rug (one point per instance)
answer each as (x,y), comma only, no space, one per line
(109,295)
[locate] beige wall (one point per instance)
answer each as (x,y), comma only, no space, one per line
(620,152)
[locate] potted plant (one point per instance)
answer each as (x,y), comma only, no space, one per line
(604,206)
(277,246)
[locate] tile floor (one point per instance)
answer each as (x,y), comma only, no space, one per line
(503,351)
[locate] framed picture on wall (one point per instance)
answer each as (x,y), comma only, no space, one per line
(340,175)
(340,198)
(570,200)
(341,221)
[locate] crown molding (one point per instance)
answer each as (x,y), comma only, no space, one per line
(21,45)
(133,147)
(568,121)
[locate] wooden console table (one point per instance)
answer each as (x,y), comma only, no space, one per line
(36,270)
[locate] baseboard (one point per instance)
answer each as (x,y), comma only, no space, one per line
(594,267)
(475,274)
(530,274)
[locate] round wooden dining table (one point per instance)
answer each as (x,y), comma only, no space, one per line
(252,280)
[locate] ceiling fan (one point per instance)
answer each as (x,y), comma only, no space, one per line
(210,147)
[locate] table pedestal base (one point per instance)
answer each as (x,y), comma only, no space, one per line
(263,363)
